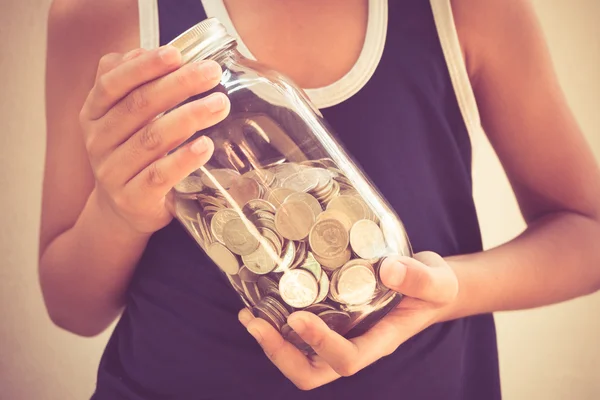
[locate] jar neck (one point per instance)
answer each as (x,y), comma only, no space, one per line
(220,54)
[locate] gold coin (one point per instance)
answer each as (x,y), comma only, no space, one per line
(298,288)
(224,258)
(328,238)
(222,176)
(310,201)
(277,196)
(337,215)
(356,283)
(334,263)
(243,190)
(349,205)
(238,238)
(294,220)
(219,220)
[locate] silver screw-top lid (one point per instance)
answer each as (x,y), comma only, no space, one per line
(202,40)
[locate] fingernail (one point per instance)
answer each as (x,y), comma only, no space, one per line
(209,69)
(297,323)
(215,102)
(245,317)
(255,334)
(169,55)
(200,145)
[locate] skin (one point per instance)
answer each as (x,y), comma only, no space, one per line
(107,177)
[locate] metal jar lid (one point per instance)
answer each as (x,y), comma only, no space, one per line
(203,40)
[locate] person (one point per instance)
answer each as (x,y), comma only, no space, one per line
(406,85)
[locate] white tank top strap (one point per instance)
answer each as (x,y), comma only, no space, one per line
(444,21)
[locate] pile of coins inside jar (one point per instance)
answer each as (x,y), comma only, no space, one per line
(289,236)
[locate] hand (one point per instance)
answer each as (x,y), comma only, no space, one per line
(430,287)
(128,146)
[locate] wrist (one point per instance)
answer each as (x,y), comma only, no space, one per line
(462,304)
(100,215)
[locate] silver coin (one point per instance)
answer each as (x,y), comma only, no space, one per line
(238,238)
(298,288)
(189,185)
(356,283)
(294,220)
(219,220)
(367,240)
(308,200)
(263,260)
(224,258)
(223,177)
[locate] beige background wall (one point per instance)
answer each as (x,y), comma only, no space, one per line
(550,354)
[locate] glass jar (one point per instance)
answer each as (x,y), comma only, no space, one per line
(281,208)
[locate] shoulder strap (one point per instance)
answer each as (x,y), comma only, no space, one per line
(444,21)
(148,15)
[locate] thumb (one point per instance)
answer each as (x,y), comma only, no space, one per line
(411,277)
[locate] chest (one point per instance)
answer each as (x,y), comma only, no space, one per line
(313,42)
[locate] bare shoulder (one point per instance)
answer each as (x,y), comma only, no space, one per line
(91,27)
(493,29)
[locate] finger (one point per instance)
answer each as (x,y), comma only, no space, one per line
(118,77)
(341,354)
(155,181)
(411,277)
(145,103)
(287,358)
(163,135)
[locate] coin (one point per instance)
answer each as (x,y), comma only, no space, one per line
(323,288)
(246,275)
(333,263)
(337,321)
(224,258)
(328,238)
(311,265)
(349,205)
(263,176)
(356,283)
(277,305)
(238,238)
(258,205)
(243,190)
(268,287)
(308,199)
(219,220)
(298,288)
(338,215)
(277,196)
(190,185)
(263,260)
(294,220)
(221,176)
(367,240)
(251,291)
(288,257)
(319,307)
(291,336)
(301,181)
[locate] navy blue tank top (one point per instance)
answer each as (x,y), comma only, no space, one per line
(179,337)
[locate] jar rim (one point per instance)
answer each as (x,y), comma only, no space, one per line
(203,40)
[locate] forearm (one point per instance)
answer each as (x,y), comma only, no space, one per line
(556,259)
(85,271)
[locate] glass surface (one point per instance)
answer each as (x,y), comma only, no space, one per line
(285,212)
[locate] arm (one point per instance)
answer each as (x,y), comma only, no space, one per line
(108,168)
(551,169)
(85,259)
(557,184)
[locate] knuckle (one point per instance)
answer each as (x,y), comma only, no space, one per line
(103,87)
(155,175)
(102,174)
(107,61)
(136,101)
(185,79)
(304,384)
(347,369)
(121,202)
(150,137)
